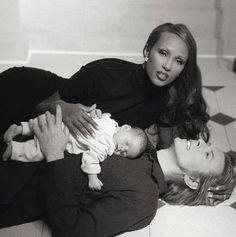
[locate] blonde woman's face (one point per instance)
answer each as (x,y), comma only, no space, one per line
(166,59)
(197,156)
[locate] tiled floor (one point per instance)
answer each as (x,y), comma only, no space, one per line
(219,89)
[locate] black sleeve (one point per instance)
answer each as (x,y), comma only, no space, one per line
(108,213)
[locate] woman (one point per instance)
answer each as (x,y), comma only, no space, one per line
(165,89)
(130,198)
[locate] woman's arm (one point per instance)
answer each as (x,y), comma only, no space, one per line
(75,116)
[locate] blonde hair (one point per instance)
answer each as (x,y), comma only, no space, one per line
(180,194)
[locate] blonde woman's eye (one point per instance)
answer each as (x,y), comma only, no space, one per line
(207,154)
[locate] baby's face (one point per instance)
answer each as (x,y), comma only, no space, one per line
(127,144)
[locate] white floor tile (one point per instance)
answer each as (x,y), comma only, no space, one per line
(218,136)
(231,133)
(195,221)
(138,233)
(33,229)
(227,100)
(210,98)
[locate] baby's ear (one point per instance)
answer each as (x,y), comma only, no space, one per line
(191,181)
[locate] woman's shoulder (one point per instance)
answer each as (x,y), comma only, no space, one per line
(110,63)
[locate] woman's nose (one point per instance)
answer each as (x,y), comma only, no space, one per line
(167,65)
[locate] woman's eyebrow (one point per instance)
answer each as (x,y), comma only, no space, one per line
(182,57)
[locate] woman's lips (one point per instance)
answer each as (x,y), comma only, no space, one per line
(162,76)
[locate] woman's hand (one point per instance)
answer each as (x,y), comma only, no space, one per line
(79,118)
(51,136)
(221,193)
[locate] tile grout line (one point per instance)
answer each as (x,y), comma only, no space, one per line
(149,230)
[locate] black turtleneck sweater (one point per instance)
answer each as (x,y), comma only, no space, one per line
(118,87)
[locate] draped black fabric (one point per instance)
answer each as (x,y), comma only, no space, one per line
(21,89)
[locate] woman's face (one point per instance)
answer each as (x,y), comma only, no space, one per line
(197,156)
(166,59)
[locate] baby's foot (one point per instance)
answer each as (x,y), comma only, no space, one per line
(7,153)
(12,132)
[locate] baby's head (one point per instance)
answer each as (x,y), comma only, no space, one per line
(130,141)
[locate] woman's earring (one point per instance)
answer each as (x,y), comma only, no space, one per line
(146,59)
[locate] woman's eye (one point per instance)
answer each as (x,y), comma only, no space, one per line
(207,154)
(162,52)
(198,143)
(180,62)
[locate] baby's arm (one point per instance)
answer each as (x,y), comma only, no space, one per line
(94,182)
(91,166)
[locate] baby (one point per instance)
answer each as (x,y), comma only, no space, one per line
(110,138)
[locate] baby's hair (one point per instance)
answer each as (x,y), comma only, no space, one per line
(143,138)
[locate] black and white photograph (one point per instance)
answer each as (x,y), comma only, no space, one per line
(117,118)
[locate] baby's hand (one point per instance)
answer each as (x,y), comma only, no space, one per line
(94,183)
(96,113)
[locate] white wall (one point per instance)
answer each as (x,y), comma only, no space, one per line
(110,26)
(13,40)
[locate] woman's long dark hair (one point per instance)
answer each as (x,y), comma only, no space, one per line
(185,105)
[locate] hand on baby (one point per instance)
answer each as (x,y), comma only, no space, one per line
(50,134)
(79,118)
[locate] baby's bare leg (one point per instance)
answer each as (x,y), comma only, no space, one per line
(12,132)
